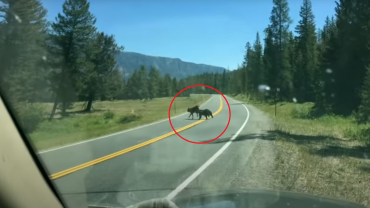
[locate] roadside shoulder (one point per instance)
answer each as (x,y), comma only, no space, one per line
(257,171)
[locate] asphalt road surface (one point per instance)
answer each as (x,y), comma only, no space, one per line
(169,168)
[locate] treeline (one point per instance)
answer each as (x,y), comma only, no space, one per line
(149,84)
(327,66)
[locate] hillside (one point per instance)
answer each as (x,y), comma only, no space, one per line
(131,61)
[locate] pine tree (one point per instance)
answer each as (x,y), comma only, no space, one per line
(174,87)
(235,80)
(224,83)
(113,86)
(257,73)
(247,73)
(133,86)
(279,26)
(269,58)
(326,55)
(364,109)
(165,86)
(129,90)
(351,56)
(73,32)
(306,64)
(103,57)
(182,83)
(292,51)
(139,84)
(153,82)
(168,85)
(23,69)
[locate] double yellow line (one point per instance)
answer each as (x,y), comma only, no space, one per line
(124,151)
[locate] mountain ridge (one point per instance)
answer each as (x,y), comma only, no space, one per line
(131,61)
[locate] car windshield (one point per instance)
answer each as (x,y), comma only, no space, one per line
(126,101)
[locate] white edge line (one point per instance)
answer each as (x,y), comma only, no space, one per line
(209,162)
(120,132)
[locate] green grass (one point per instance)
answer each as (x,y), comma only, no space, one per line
(295,118)
(325,155)
(108,117)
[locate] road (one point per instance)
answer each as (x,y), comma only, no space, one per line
(170,167)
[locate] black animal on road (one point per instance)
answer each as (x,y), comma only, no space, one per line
(205,113)
(192,110)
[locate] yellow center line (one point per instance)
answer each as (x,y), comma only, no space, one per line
(124,151)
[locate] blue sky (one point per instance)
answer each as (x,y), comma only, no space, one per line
(201,31)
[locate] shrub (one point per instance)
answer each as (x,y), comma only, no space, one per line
(108,115)
(95,122)
(29,116)
(361,133)
(128,118)
(303,112)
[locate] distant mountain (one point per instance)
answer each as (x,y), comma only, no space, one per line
(131,61)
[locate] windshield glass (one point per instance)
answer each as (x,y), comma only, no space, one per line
(125,101)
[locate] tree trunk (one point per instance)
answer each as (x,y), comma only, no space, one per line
(89,102)
(64,108)
(54,108)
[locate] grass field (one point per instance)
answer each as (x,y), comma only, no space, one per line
(325,156)
(107,117)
